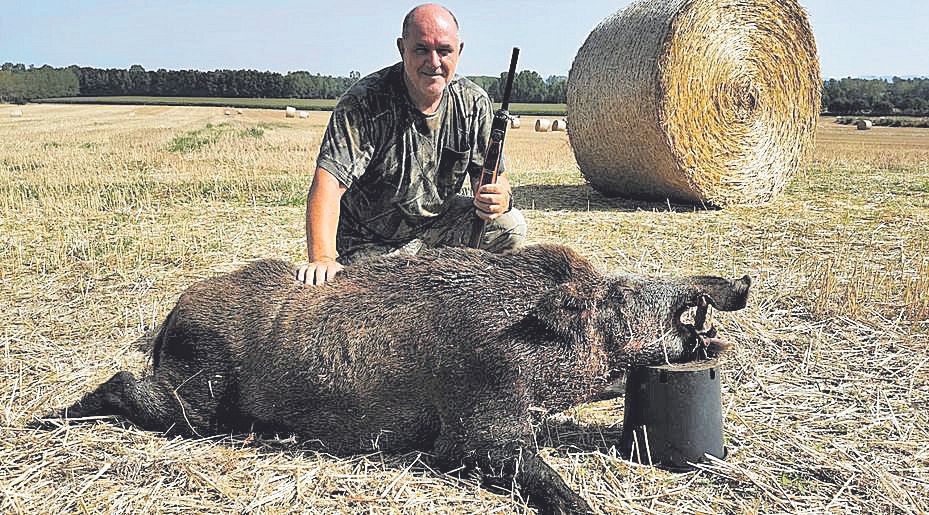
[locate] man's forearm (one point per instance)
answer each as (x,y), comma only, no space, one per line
(321,226)
(322,216)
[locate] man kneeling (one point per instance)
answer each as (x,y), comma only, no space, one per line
(395,156)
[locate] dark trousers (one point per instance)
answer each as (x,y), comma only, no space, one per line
(451,230)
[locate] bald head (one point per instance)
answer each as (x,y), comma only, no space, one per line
(425,13)
(429,48)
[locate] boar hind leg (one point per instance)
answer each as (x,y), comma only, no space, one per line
(145,403)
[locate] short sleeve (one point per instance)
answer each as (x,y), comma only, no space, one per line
(348,144)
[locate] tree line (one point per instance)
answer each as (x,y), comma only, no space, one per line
(19,83)
(877,96)
(528,87)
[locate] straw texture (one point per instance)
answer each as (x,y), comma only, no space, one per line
(705,101)
(103,224)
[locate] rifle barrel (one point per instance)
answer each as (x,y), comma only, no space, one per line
(509,80)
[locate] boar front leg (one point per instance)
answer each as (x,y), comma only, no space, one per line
(544,488)
(498,447)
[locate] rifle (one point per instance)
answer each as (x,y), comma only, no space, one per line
(494,148)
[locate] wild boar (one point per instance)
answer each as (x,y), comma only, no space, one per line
(444,352)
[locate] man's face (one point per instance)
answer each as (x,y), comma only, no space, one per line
(430,53)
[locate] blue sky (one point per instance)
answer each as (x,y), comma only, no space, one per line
(854,37)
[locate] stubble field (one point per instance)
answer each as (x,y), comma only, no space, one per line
(107,213)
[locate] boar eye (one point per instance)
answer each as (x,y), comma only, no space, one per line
(620,294)
(574,304)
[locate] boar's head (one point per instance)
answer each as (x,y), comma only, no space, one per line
(640,320)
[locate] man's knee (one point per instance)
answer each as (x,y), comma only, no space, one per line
(506,232)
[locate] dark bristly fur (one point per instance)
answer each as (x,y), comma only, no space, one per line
(444,353)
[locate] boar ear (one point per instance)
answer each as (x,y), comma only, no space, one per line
(564,310)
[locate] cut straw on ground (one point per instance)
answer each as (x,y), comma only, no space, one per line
(105,218)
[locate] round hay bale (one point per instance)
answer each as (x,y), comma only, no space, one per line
(227,112)
(864,125)
(16,113)
(304,114)
(290,112)
(543,125)
(514,122)
(560,125)
(238,111)
(703,101)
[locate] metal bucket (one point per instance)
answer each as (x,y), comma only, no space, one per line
(673,415)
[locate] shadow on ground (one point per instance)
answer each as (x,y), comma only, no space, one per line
(584,198)
(565,433)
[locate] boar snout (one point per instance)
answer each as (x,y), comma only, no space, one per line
(723,294)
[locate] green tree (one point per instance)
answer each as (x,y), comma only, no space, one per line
(528,86)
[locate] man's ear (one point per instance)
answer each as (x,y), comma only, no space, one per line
(400,46)
(565,311)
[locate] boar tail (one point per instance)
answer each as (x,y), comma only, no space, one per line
(159,341)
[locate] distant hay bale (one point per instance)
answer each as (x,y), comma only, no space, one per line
(303,114)
(16,113)
(864,125)
(290,112)
(227,112)
(703,101)
(560,125)
(238,111)
(543,125)
(514,122)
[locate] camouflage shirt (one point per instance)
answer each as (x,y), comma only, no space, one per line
(402,168)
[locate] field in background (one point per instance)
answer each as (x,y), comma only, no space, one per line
(107,213)
(321,104)
(886,121)
(269,103)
